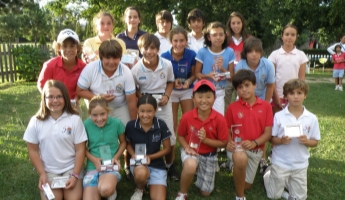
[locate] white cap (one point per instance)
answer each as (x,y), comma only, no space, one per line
(67,33)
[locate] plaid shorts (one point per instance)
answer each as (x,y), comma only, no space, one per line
(206,171)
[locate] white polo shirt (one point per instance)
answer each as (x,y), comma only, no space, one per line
(120,84)
(287,66)
(294,155)
(195,44)
(165,43)
(56,140)
(153,82)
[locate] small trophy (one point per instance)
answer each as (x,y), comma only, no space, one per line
(140,153)
(294,130)
(181,81)
(88,51)
(222,76)
(194,141)
(59,182)
(110,88)
(158,98)
(107,165)
(237,133)
(48,193)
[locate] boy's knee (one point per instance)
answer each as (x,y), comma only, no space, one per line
(106,190)
(190,165)
(240,159)
(205,194)
(141,173)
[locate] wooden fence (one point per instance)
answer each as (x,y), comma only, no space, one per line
(8,69)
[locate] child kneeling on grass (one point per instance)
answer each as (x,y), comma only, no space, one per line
(209,126)
(255,118)
(104,133)
(290,154)
(152,132)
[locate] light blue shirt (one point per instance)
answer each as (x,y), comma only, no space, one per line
(264,74)
(208,59)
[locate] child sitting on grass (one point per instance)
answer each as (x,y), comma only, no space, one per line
(290,154)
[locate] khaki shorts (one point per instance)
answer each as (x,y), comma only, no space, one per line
(166,115)
(276,178)
(122,113)
(254,157)
(180,95)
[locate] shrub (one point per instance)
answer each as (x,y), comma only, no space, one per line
(28,61)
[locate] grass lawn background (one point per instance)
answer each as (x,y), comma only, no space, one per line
(326,172)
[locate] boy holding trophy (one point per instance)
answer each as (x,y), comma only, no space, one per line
(249,123)
(200,133)
(295,129)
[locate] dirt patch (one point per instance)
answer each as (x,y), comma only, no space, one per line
(319,80)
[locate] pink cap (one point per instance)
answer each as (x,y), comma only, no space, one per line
(204,82)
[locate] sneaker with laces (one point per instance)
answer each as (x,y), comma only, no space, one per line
(181,196)
(340,88)
(172,173)
(129,174)
(336,87)
(113,196)
(137,195)
(263,165)
(228,165)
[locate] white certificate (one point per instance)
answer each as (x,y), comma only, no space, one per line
(59,182)
(293,130)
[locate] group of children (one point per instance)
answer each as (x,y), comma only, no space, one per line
(165,78)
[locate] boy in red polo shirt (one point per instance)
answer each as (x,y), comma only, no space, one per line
(201,131)
(66,67)
(254,119)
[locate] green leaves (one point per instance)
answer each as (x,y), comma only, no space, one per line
(29,61)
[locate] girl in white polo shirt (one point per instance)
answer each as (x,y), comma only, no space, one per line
(55,140)
(154,75)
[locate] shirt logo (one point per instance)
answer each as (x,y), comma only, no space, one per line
(240,115)
(263,76)
(67,130)
(306,129)
(192,129)
(259,111)
(210,128)
(162,75)
(142,78)
(156,138)
(119,87)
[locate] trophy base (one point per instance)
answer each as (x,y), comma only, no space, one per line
(142,161)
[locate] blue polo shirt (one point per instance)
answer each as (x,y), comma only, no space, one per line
(264,74)
(131,43)
(183,67)
(208,59)
(152,138)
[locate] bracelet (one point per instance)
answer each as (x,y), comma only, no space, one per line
(75,175)
(256,143)
(166,95)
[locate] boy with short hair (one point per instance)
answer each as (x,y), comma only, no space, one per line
(256,120)
(290,154)
(154,75)
(164,21)
(196,21)
(208,125)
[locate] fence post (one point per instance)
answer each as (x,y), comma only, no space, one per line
(1,65)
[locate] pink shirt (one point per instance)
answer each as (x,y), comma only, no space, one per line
(287,66)
(336,57)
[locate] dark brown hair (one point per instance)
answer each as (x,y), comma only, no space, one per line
(178,30)
(164,15)
(147,40)
(213,25)
(251,44)
(229,31)
(295,84)
(110,48)
(127,10)
(243,75)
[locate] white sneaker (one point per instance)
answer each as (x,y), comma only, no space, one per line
(228,165)
(285,195)
(336,87)
(340,88)
(113,196)
(181,196)
(138,194)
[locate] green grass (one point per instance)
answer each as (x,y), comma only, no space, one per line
(326,173)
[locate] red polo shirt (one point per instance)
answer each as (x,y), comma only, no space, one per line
(54,69)
(254,118)
(214,125)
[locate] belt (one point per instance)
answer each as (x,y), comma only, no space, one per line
(208,154)
(152,93)
(256,151)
